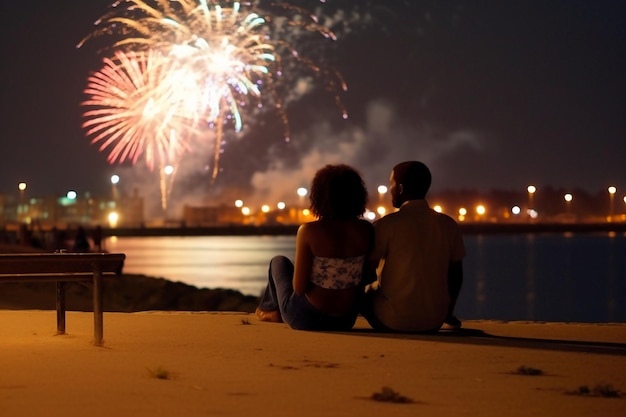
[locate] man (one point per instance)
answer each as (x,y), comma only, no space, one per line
(418,254)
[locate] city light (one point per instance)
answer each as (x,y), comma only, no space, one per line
(113,219)
(72,208)
(568,197)
(302,192)
(22,208)
(531,192)
(462,214)
(115,179)
(612,190)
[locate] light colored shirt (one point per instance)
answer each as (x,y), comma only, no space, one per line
(337,273)
(415,246)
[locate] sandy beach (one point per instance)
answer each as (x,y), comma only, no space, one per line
(230,364)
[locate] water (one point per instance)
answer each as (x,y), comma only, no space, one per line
(539,277)
(546,277)
(237,262)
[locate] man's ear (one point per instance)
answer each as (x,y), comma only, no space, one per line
(400,189)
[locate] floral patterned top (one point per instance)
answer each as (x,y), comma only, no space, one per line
(337,273)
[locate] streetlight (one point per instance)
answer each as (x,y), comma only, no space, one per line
(480,211)
(568,201)
(531,193)
(462,213)
(612,190)
(115,179)
(22,187)
(381,191)
(302,192)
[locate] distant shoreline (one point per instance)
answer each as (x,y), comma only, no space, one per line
(290,230)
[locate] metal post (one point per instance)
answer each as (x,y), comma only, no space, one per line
(60,307)
(97,307)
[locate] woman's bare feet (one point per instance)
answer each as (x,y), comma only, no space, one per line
(272,316)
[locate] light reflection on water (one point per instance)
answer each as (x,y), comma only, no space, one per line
(543,277)
(237,262)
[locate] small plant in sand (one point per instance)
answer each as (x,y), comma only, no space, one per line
(527,370)
(389,395)
(159,373)
(245,322)
(600,390)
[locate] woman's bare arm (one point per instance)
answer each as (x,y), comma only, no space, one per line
(304,261)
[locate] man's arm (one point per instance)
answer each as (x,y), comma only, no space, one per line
(370,269)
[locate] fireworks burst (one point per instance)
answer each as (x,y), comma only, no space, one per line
(140,105)
(180,67)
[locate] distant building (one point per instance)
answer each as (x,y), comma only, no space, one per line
(212,216)
(131,210)
(46,213)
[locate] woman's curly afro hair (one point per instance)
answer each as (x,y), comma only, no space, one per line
(338,192)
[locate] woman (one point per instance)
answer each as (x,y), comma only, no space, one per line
(323,290)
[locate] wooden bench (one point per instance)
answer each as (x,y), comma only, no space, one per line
(62,268)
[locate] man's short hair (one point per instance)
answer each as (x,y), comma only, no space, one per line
(415,178)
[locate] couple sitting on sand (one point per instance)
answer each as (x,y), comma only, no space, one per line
(403,273)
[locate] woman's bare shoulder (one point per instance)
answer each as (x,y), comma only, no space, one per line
(308,228)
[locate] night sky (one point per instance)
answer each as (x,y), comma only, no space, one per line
(490,94)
